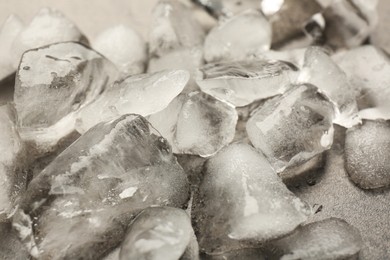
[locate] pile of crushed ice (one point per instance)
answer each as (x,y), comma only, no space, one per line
(193,145)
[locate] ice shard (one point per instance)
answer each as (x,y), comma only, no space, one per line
(47,27)
(367,154)
(293,128)
(143,94)
(82,202)
(52,83)
(238,37)
(332,238)
(196,123)
(243,82)
(124,47)
(157,233)
(13,178)
(257,206)
(320,70)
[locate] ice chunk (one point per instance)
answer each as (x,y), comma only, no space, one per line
(142,94)
(367,154)
(196,123)
(8,32)
(321,71)
(243,82)
(173,27)
(74,204)
(288,21)
(257,207)
(331,238)
(124,47)
(157,233)
(228,7)
(349,23)
(12,177)
(10,246)
(368,70)
(293,128)
(48,26)
(238,38)
(185,58)
(52,83)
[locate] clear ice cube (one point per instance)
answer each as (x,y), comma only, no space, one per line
(243,82)
(80,204)
(143,94)
(321,71)
(238,37)
(124,47)
(173,27)
(367,154)
(292,128)
(48,26)
(157,233)
(52,83)
(257,206)
(368,70)
(332,238)
(13,178)
(196,123)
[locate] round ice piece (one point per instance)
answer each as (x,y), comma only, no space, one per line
(367,154)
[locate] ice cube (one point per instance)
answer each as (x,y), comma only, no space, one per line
(223,8)
(10,246)
(293,128)
(367,154)
(173,27)
(157,233)
(124,47)
(288,21)
(321,71)
(238,37)
(257,206)
(8,32)
(368,70)
(332,238)
(349,23)
(80,204)
(48,26)
(12,175)
(52,83)
(243,82)
(142,94)
(196,123)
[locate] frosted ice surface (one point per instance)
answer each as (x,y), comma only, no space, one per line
(243,82)
(368,70)
(157,233)
(12,177)
(227,8)
(349,23)
(321,71)
(367,154)
(173,27)
(196,123)
(293,128)
(8,32)
(241,200)
(142,94)
(48,26)
(124,47)
(74,203)
(238,37)
(332,238)
(52,83)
